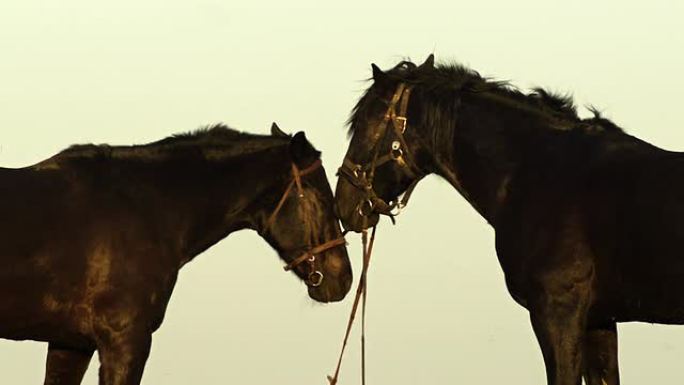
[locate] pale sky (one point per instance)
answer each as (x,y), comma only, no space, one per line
(134,71)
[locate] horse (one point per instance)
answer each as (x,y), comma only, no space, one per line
(588,219)
(92,239)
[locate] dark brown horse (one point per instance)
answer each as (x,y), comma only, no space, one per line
(589,220)
(91,240)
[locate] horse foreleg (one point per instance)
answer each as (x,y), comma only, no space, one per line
(122,359)
(66,366)
(558,316)
(601,356)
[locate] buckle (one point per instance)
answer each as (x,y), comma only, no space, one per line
(402,119)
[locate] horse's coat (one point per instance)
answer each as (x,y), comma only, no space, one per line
(588,219)
(92,239)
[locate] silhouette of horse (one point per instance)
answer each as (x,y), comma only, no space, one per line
(588,219)
(92,239)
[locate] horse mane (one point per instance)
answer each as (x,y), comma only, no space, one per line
(217,137)
(447,82)
(212,133)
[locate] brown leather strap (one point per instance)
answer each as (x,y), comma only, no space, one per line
(297,175)
(397,95)
(310,253)
(399,125)
(310,168)
(389,116)
(316,250)
(384,159)
(360,182)
(366,262)
(361,176)
(408,192)
(360,290)
(355,180)
(354,170)
(403,107)
(274,214)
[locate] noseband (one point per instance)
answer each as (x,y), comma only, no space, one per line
(315,277)
(361,176)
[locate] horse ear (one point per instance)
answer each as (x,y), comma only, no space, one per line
(429,62)
(276,131)
(302,152)
(378,75)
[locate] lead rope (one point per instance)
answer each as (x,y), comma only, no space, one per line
(360,292)
(366,262)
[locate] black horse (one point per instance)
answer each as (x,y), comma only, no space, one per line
(91,240)
(588,219)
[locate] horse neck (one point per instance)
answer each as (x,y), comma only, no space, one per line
(485,148)
(203,200)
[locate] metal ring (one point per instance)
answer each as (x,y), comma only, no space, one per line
(356,170)
(370,207)
(313,281)
(312,259)
(396,154)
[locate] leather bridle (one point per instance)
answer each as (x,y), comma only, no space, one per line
(315,277)
(361,176)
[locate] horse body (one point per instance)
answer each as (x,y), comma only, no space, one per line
(610,219)
(81,245)
(588,219)
(94,238)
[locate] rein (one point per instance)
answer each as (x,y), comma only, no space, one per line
(360,295)
(315,277)
(361,176)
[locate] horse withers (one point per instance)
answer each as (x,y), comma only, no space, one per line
(588,219)
(92,239)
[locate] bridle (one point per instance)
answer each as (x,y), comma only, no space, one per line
(315,277)
(361,176)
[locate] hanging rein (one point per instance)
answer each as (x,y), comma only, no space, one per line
(315,276)
(361,291)
(361,175)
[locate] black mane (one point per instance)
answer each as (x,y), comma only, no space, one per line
(448,82)
(217,136)
(215,133)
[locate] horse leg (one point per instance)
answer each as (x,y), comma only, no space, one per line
(558,315)
(66,366)
(601,356)
(123,358)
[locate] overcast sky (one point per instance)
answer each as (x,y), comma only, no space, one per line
(134,71)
